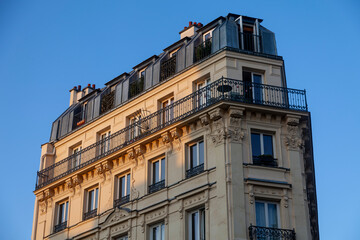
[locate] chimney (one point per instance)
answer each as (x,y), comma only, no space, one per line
(73,95)
(88,89)
(190,30)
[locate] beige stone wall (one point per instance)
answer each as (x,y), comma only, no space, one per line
(227,189)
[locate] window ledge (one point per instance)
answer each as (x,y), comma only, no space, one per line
(281,169)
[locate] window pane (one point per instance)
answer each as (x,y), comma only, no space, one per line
(202,224)
(260,214)
(193,156)
(255,144)
(201,152)
(272,215)
(128,184)
(91,200)
(268,145)
(122,187)
(195,226)
(162,232)
(66,211)
(163,169)
(155,172)
(96,198)
(61,209)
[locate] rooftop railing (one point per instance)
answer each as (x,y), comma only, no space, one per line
(202,50)
(168,68)
(224,89)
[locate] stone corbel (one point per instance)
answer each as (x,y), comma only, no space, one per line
(69,185)
(140,151)
(176,133)
(218,133)
(166,139)
(293,139)
(132,156)
(181,209)
(234,131)
(100,171)
(251,194)
(285,199)
(216,114)
(107,166)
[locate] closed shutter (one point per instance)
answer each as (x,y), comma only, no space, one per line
(118,94)
(268,42)
(125,90)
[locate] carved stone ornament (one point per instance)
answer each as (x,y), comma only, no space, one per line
(176,133)
(218,134)
(216,114)
(43,207)
(251,195)
(140,151)
(205,119)
(293,140)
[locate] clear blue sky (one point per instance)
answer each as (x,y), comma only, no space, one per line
(47,47)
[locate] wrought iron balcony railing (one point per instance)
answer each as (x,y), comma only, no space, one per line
(195,171)
(156,186)
(121,201)
(265,160)
(250,42)
(224,89)
(168,68)
(202,50)
(136,87)
(90,214)
(265,233)
(59,227)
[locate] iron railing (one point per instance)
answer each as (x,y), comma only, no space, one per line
(195,171)
(168,68)
(202,50)
(265,233)
(224,89)
(121,201)
(250,42)
(136,87)
(156,186)
(265,160)
(90,214)
(107,101)
(59,227)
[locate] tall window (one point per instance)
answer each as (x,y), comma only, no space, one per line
(262,149)
(167,114)
(134,127)
(203,93)
(105,142)
(267,214)
(157,175)
(91,203)
(195,158)
(76,157)
(253,91)
(61,216)
(196,225)
(157,232)
(123,190)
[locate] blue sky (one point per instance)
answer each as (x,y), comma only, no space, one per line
(47,47)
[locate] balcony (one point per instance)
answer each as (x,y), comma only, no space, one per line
(202,50)
(195,171)
(90,214)
(168,68)
(121,201)
(250,42)
(157,186)
(224,89)
(265,233)
(60,227)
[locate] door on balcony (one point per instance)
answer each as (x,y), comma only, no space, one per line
(267,214)
(167,111)
(252,87)
(248,38)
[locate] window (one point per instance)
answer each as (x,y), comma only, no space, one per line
(105,142)
(157,175)
(134,126)
(207,35)
(91,203)
(195,159)
(157,232)
(122,192)
(262,149)
(203,93)
(267,214)
(253,91)
(76,160)
(196,225)
(167,113)
(61,216)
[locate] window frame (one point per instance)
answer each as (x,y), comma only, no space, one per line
(95,202)
(76,161)
(267,212)
(61,217)
(135,131)
(168,114)
(161,167)
(127,177)
(262,133)
(197,143)
(201,224)
(104,146)
(161,225)
(207,33)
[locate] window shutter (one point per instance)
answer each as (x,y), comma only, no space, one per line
(268,42)
(89,110)
(96,111)
(148,76)
(54,130)
(118,94)
(125,92)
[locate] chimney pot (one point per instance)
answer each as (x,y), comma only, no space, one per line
(79,87)
(199,24)
(89,85)
(190,23)
(93,86)
(75,88)
(195,23)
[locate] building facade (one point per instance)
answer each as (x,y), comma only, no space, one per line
(204,141)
